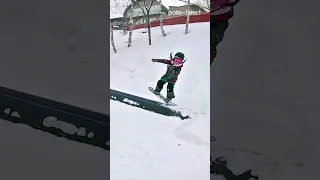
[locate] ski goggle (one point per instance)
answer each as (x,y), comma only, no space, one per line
(177,60)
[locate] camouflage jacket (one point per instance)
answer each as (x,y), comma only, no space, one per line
(172,72)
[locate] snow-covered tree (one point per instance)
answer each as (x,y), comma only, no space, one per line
(131,23)
(188,16)
(117,7)
(205,4)
(161,20)
(145,7)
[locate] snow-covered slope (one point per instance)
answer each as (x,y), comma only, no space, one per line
(146,145)
(265,93)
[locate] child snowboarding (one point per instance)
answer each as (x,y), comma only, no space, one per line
(220,13)
(174,66)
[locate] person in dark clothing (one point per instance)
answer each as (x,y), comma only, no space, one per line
(220,13)
(219,167)
(174,67)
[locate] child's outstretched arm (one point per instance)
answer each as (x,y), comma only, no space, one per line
(164,61)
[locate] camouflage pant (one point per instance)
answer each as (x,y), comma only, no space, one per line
(217,29)
(170,87)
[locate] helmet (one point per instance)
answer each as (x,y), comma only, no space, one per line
(179,55)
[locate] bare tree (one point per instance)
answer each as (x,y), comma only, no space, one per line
(146,12)
(124,32)
(131,23)
(117,7)
(161,20)
(188,16)
(112,40)
(205,4)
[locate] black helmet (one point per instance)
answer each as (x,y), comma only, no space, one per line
(179,55)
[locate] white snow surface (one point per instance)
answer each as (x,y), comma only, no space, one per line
(146,145)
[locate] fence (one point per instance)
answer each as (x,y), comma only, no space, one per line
(204,17)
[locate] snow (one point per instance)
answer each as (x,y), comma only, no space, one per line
(264,94)
(28,153)
(115,15)
(146,145)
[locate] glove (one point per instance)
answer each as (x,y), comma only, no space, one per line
(171,56)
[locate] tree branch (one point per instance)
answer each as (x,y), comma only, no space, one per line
(151,5)
(208,8)
(145,4)
(141,9)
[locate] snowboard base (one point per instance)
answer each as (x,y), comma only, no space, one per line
(169,103)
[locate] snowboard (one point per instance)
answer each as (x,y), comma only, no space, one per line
(169,103)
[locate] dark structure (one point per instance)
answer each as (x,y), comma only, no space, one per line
(143,103)
(117,23)
(83,125)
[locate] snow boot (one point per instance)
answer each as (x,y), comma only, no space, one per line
(170,96)
(157,90)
